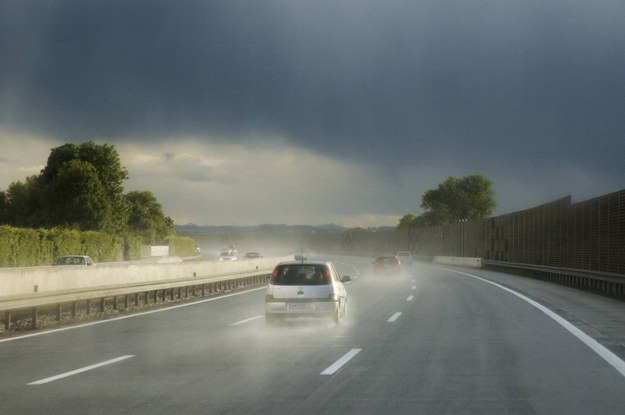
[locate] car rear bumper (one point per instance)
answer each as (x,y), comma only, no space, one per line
(301,308)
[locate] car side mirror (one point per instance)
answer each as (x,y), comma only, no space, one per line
(346,278)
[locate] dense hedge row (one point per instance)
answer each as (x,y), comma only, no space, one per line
(132,247)
(20,247)
(181,246)
(32,247)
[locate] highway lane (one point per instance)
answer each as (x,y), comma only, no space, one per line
(428,341)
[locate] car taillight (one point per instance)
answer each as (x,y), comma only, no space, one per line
(328,275)
(274,274)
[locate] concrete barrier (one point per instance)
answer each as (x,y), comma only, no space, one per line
(458,261)
(22,281)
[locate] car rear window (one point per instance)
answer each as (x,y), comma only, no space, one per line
(301,274)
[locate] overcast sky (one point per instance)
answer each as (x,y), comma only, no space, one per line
(312,112)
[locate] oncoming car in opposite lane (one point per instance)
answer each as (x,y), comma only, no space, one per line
(304,289)
(74,260)
(227,255)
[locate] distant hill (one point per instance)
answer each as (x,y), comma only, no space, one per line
(192,229)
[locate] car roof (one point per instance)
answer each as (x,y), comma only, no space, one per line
(306,262)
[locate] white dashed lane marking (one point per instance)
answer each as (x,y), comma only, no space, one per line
(247,320)
(341,362)
(81,370)
(394,317)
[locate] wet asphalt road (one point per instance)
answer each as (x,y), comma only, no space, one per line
(430,340)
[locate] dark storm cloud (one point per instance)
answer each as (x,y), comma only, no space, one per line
(398,81)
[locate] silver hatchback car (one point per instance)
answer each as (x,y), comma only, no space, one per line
(305,288)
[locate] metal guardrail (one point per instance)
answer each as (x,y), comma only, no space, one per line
(604,283)
(122,297)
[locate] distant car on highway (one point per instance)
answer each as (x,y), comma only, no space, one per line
(405,257)
(303,255)
(74,260)
(252,255)
(305,288)
(226,256)
(386,265)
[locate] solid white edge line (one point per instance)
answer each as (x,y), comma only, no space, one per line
(394,317)
(247,320)
(597,347)
(84,369)
(109,320)
(341,362)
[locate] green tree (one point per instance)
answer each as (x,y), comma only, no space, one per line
(146,217)
(77,198)
(407,221)
(83,187)
(468,197)
(5,208)
(23,203)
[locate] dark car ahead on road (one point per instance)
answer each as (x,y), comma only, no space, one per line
(405,258)
(386,265)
